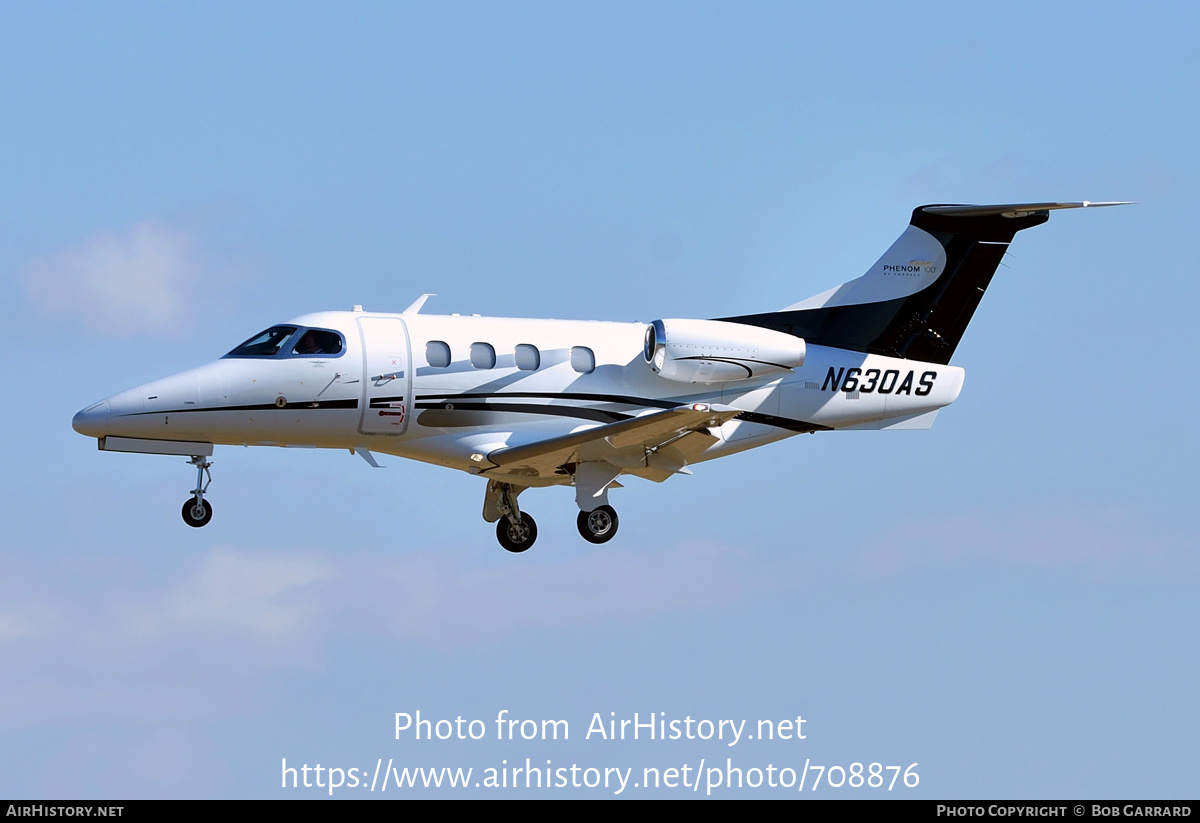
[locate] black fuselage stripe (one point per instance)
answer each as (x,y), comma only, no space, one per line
(530,408)
(601,398)
(292,406)
(424,402)
(798,426)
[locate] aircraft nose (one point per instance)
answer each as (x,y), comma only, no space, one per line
(91,421)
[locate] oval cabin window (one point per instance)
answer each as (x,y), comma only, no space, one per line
(437,354)
(528,357)
(483,356)
(582,359)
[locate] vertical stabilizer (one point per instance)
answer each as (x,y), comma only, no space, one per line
(918,298)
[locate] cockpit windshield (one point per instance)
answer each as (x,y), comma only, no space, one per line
(316,343)
(264,344)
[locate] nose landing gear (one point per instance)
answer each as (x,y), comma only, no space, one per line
(196,514)
(196,510)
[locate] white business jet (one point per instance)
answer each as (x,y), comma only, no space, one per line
(525,403)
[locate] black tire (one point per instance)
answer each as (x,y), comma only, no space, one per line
(189,516)
(516,539)
(598,525)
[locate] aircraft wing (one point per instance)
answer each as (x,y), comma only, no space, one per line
(653,445)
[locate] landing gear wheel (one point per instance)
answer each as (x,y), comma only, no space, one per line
(516,538)
(599,525)
(197,513)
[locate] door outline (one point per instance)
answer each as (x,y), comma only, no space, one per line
(392,410)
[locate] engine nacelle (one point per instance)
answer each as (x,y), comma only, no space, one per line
(712,351)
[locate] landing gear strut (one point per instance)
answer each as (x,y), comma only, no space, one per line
(599,525)
(196,510)
(515,530)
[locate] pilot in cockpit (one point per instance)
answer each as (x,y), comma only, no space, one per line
(316,341)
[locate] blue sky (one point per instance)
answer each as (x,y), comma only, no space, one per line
(1007,599)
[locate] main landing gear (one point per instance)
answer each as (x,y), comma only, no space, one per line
(599,525)
(196,510)
(519,536)
(517,531)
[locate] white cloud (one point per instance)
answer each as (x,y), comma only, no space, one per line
(13,626)
(442,601)
(133,644)
(142,645)
(250,598)
(267,597)
(132,281)
(1096,541)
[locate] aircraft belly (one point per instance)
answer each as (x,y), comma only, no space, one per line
(453,450)
(721,448)
(763,400)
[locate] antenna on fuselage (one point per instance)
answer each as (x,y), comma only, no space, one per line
(415,308)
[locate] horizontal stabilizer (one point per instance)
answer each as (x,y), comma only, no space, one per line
(1017,209)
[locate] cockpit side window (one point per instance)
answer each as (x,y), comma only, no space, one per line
(264,344)
(319,342)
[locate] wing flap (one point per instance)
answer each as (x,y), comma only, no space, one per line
(628,442)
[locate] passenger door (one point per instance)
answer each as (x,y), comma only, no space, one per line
(387,378)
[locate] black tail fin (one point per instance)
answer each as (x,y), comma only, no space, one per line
(917,300)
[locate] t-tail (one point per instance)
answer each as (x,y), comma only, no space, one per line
(917,300)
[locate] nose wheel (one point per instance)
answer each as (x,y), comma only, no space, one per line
(196,513)
(599,525)
(196,510)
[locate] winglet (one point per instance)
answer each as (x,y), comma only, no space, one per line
(415,308)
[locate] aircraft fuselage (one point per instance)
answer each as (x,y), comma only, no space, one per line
(381,392)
